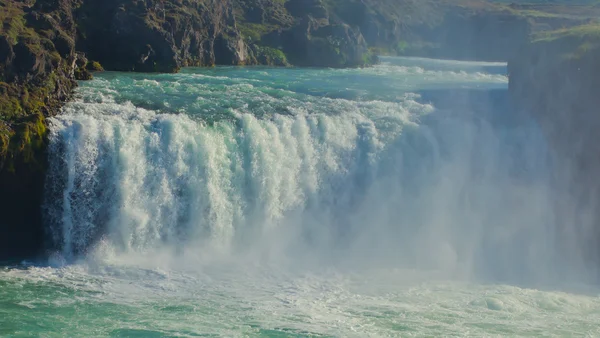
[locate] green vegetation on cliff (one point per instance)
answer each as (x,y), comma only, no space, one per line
(584,32)
(37,63)
(305,31)
(35,76)
(570,43)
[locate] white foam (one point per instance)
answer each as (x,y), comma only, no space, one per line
(260,171)
(236,301)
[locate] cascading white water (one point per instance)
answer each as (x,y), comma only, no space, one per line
(161,178)
(256,163)
(403,199)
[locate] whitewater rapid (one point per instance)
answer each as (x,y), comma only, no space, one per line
(125,300)
(398,200)
(343,167)
(152,178)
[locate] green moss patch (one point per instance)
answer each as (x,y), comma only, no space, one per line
(94,66)
(271,56)
(583,32)
(570,43)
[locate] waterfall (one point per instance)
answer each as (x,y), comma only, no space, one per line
(256,164)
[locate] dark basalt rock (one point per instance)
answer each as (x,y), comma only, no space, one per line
(37,66)
(330,45)
(81,71)
(7,54)
(304,31)
(269,12)
(27,59)
(303,9)
(381,23)
(153,35)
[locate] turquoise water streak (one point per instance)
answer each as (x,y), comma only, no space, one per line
(397,200)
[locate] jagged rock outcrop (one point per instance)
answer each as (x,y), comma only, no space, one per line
(554,79)
(263,12)
(316,43)
(320,40)
(155,35)
(304,31)
(383,23)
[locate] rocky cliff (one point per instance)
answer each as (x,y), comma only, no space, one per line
(554,78)
(303,32)
(155,35)
(38,64)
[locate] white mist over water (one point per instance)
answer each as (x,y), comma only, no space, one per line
(376,202)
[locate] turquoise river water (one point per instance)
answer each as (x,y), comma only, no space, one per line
(400,200)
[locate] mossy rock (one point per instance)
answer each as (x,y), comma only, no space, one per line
(5,135)
(94,66)
(271,56)
(82,74)
(30,138)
